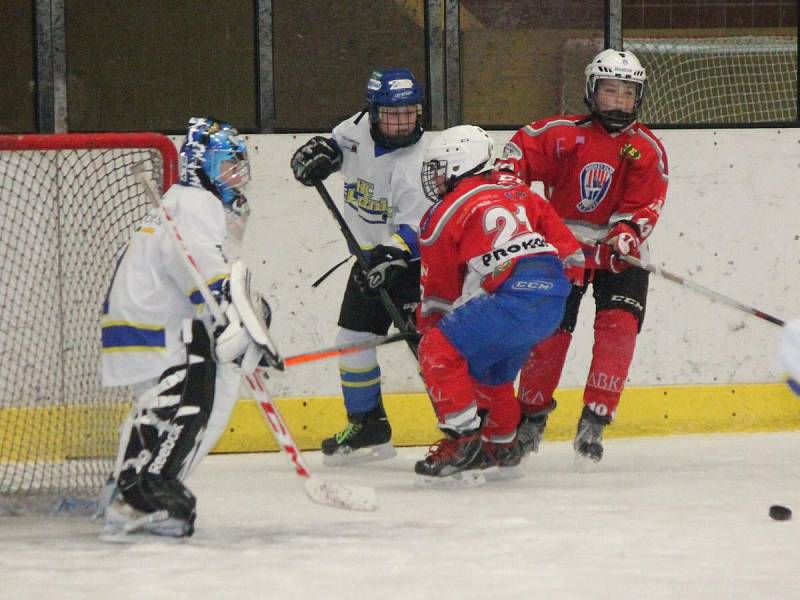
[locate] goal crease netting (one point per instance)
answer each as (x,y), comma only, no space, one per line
(67,204)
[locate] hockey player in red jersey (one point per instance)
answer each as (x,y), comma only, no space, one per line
(606,175)
(493,285)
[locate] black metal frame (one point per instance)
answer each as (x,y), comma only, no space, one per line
(442,56)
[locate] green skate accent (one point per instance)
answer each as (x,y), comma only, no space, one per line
(351,430)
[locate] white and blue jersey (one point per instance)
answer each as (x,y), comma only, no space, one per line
(152,292)
(383,197)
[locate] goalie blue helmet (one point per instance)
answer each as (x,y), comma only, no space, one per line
(214,157)
(394,101)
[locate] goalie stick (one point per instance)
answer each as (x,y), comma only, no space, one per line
(319,491)
(353,245)
(696,287)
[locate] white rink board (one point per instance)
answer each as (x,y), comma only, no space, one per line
(731,223)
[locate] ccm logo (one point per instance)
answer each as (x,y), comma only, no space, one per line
(532,285)
(627,300)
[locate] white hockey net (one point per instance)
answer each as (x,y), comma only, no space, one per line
(67,203)
(710,80)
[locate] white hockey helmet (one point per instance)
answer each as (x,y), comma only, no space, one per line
(453,154)
(614,64)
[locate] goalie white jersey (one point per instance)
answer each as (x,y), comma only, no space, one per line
(383,197)
(151,292)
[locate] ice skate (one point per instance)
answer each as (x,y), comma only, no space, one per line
(454,461)
(501,462)
(125,524)
(366,438)
(588,442)
(530,431)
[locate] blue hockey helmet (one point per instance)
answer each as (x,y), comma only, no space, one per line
(387,90)
(214,157)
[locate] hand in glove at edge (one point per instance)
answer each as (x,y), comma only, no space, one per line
(622,240)
(384,265)
(316,160)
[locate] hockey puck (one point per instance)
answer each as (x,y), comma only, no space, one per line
(780,513)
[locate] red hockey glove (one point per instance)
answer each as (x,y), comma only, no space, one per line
(624,239)
(602,256)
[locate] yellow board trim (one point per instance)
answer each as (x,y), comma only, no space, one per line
(643,411)
(56,433)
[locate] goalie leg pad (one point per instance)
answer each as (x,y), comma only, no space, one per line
(612,354)
(226,393)
(181,436)
(180,426)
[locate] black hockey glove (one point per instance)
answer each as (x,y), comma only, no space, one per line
(315,160)
(384,265)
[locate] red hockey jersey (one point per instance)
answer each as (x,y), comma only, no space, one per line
(472,238)
(591,177)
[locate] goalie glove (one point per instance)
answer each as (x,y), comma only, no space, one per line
(316,160)
(245,339)
(384,265)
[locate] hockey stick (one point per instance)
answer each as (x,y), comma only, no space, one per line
(332,351)
(696,287)
(320,491)
(353,245)
(338,495)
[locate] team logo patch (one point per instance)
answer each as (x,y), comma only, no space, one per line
(595,181)
(630,151)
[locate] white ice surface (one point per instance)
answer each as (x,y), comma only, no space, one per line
(677,517)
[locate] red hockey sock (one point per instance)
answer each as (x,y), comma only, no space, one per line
(446,375)
(542,370)
(614,342)
(503,418)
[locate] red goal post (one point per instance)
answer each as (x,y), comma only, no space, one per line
(68,203)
